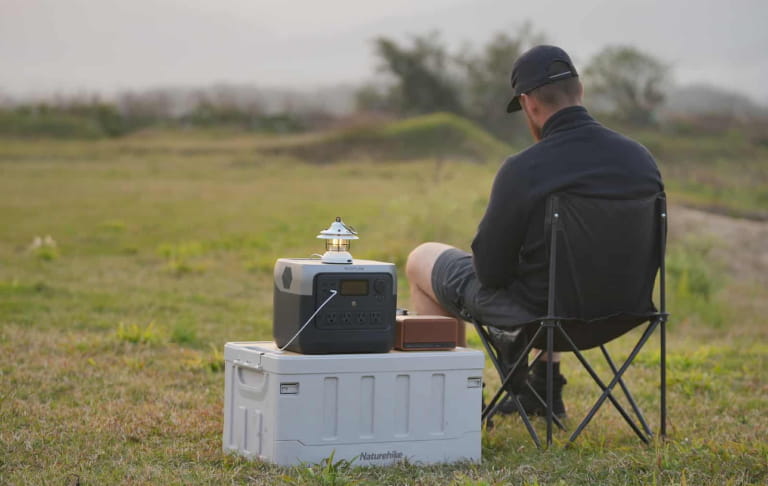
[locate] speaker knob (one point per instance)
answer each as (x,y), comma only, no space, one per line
(379,286)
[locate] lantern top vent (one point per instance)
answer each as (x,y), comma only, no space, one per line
(338,231)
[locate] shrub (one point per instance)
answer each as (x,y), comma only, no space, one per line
(134,333)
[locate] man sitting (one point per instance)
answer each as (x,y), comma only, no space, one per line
(503,282)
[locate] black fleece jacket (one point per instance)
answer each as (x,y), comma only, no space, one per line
(577,155)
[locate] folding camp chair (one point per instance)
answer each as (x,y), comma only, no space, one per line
(594,297)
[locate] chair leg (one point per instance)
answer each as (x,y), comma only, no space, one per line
(663,386)
(550,370)
(485,339)
(607,390)
(508,377)
(490,409)
(638,413)
(526,420)
(538,397)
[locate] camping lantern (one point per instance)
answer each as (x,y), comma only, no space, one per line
(337,238)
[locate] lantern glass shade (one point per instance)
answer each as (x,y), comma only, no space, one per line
(337,244)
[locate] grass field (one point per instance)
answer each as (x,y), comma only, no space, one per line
(160,250)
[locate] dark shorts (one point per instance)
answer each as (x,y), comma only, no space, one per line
(460,292)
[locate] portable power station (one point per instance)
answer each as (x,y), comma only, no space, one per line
(356,303)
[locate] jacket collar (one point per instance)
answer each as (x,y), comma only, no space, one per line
(567,118)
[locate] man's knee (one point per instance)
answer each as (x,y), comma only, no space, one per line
(415,261)
(422,259)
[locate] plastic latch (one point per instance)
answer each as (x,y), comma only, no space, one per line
(474,382)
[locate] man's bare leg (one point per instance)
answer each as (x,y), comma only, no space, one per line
(555,355)
(418,270)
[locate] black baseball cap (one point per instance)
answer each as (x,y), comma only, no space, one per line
(538,66)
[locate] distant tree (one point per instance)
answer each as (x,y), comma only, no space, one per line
(631,82)
(421,71)
(223,105)
(142,109)
(487,75)
(372,98)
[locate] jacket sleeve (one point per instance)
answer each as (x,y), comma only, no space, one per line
(500,235)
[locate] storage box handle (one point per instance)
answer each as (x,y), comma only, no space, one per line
(256,391)
(247,364)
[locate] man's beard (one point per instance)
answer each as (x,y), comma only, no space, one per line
(534,128)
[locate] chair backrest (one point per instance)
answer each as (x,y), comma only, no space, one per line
(604,255)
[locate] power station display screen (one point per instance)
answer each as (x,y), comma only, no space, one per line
(353,287)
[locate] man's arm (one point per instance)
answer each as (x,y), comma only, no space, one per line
(496,247)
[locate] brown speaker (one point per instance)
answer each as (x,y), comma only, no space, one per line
(425,333)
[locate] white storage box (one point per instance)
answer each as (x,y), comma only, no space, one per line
(379,408)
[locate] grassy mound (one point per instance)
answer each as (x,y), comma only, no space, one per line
(439,135)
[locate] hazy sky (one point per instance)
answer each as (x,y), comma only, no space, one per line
(111,45)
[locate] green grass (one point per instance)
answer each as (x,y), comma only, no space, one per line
(695,281)
(164,247)
(725,173)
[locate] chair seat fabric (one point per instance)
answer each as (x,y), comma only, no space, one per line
(592,333)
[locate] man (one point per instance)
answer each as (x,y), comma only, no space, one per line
(503,282)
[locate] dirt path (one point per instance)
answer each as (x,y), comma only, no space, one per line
(740,244)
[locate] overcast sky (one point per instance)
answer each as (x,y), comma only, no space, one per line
(111,45)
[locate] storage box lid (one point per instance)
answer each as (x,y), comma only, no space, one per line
(265,355)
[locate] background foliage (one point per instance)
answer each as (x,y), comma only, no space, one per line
(421,75)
